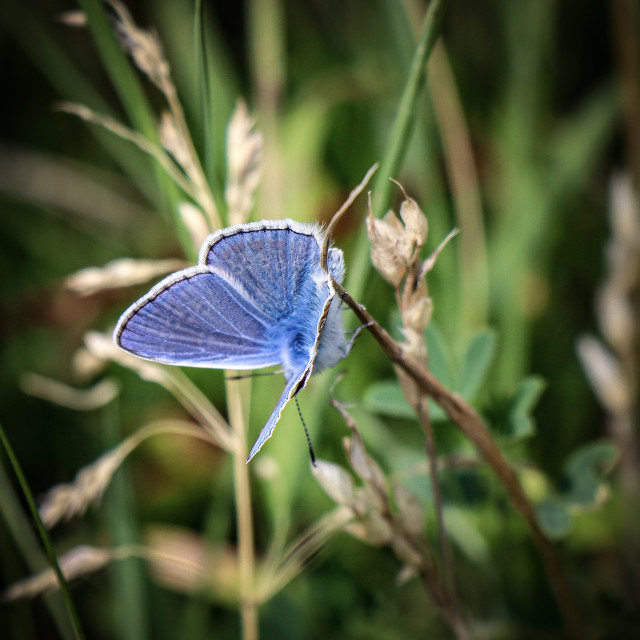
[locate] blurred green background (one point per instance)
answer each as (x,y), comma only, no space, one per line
(528,116)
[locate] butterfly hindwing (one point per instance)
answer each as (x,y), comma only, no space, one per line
(295,382)
(197,318)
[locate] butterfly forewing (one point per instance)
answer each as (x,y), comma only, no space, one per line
(197,318)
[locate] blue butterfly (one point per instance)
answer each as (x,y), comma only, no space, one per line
(258,297)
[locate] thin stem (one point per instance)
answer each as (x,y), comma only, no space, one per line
(422,411)
(465,191)
(244,514)
(44,536)
(471,425)
(404,118)
(399,136)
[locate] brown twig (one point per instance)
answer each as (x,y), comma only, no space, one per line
(471,425)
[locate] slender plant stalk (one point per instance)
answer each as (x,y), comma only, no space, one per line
(132,97)
(471,425)
(265,24)
(244,515)
(44,536)
(202,65)
(398,138)
(465,191)
(422,411)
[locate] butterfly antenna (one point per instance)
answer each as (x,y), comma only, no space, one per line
(306,433)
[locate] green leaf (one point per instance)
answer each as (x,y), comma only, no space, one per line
(477,359)
(386,398)
(554,517)
(520,421)
(586,469)
(440,363)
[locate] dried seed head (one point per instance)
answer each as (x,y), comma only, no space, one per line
(374,529)
(604,373)
(64,501)
(336,481)
(365,466)
(616,316)
(143,46)
(385,239)
(417,315)
(123,272)
(623,210)
(79,562)
(195,222)
(244,155)
(410,510)
(407,552)
(174,143)
(415,222)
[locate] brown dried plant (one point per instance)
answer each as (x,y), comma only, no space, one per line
(394,243)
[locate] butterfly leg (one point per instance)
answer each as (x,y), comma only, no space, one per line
(356,333)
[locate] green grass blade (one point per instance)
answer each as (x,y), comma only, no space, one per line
(46,541)
(19,525)
(398,140)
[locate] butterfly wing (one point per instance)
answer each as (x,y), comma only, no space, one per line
(273,260)
(199,318)
(295,382)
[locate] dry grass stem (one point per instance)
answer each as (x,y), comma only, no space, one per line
(146,51)
(195,223)
(613,370)
(64,395)
(238,393)
(244,156)
(268,470)
(340,212)
(189,396)
(124,272)
(143,143)
(75,19)
(472,426)
(65,501)
(299,553)
(80,562)
(380,517)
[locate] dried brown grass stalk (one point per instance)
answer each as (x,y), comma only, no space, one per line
(124,272)
(65,501)
(472,426)
(385,513)
(172,379)
(146,51)
(80,562)
(244,155)
(144,144)
(59,393)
